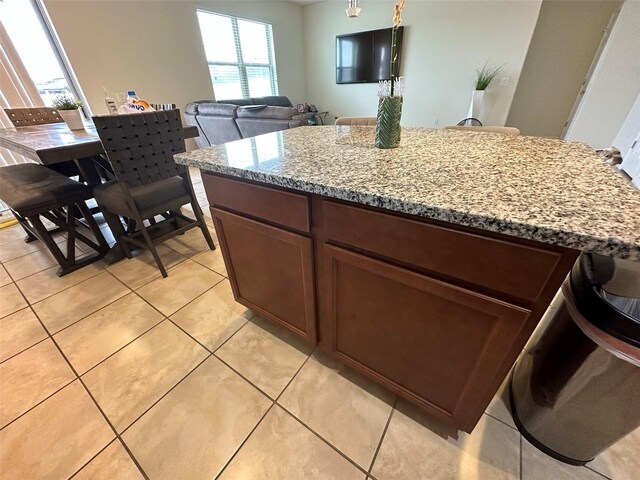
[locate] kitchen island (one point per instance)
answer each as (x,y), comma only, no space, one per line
(425,267)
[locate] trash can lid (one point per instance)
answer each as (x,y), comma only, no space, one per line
(607,294)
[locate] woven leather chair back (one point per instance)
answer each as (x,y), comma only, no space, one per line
(140,146)
(24,117)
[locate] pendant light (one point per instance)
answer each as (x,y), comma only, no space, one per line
(353,10)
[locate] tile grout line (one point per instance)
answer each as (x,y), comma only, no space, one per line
(384,432)
(273,404)
(40,402)
(520,456)
(90,395)
(501,421)
(25,349)
(93,458)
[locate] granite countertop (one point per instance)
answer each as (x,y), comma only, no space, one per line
(536,188)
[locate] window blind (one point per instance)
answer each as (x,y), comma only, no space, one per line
(240,55)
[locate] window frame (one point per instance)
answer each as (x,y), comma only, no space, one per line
(240,63)
(56,46)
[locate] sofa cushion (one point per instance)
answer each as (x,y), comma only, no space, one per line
(278,113)
(273,100)
(237,101)
(218,109)
(193,107)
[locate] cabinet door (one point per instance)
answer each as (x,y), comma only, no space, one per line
(437,344)
(270,269)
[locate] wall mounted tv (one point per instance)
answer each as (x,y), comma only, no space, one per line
(365,57)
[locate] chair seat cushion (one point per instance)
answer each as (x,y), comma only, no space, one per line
(30,189)
(152,198)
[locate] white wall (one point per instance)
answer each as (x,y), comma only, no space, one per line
(155,47)
(444,43)
(615,83)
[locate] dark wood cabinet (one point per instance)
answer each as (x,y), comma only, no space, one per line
(436,312)
(270,269)
(428,340)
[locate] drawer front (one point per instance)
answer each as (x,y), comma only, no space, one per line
(274,206)
(516,270)
(271,271)
(436,344)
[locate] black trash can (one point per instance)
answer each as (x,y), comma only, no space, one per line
(577,390)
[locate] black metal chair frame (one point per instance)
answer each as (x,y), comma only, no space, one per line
(129,173)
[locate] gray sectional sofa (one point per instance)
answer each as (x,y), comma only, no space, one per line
(228,120)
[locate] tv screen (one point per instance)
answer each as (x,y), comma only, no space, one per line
(365,57)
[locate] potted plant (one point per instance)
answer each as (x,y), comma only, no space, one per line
(484,77)
(69,110)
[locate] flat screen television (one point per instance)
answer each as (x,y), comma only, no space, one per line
(365,57)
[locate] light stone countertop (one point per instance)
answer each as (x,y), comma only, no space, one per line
(541,189)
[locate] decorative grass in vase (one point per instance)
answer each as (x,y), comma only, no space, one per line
(391,93)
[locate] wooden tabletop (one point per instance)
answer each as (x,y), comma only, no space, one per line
(55,143)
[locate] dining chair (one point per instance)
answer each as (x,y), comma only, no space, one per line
(357,121)
(27,117)
(148,184)
(487,129)
(24,117)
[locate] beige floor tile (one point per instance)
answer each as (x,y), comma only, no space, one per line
(282,448)
(19,331)
(113,463)
(43,284)
(417,446)
(184,283)
(62,309)
(142,268)
(91,340)
(194,430)
(11,234)
(499,407)
(54,439)
(29,378)
(29,264)
(11,300)
(5,279)
(212,259)
(129,382)
(15,249)
(538,466)
(347,410)
(213,317)
(621,461)
(267,355)
(191,243)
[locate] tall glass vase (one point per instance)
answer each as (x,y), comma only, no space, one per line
(388,122)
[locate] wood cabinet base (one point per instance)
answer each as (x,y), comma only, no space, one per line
(436,312)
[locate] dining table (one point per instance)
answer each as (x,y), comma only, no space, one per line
(53,143)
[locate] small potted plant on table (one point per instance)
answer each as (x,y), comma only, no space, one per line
(484,77)
(69,110)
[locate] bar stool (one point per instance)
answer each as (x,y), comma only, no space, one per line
(33,192)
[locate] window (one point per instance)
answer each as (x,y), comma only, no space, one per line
(30,31)
(240,56)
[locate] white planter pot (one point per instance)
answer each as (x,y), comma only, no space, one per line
(476,104)
(73,118)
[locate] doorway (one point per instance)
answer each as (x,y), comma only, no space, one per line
(566,39)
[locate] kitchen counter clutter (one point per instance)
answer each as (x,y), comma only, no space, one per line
(426,267)
(541,189)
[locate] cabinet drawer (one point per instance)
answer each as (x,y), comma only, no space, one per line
(275,206)
(439,345)
(498,266)
(271,271)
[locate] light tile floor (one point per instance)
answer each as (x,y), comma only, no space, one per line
(115,373)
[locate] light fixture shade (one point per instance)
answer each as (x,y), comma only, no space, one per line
(353,10)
